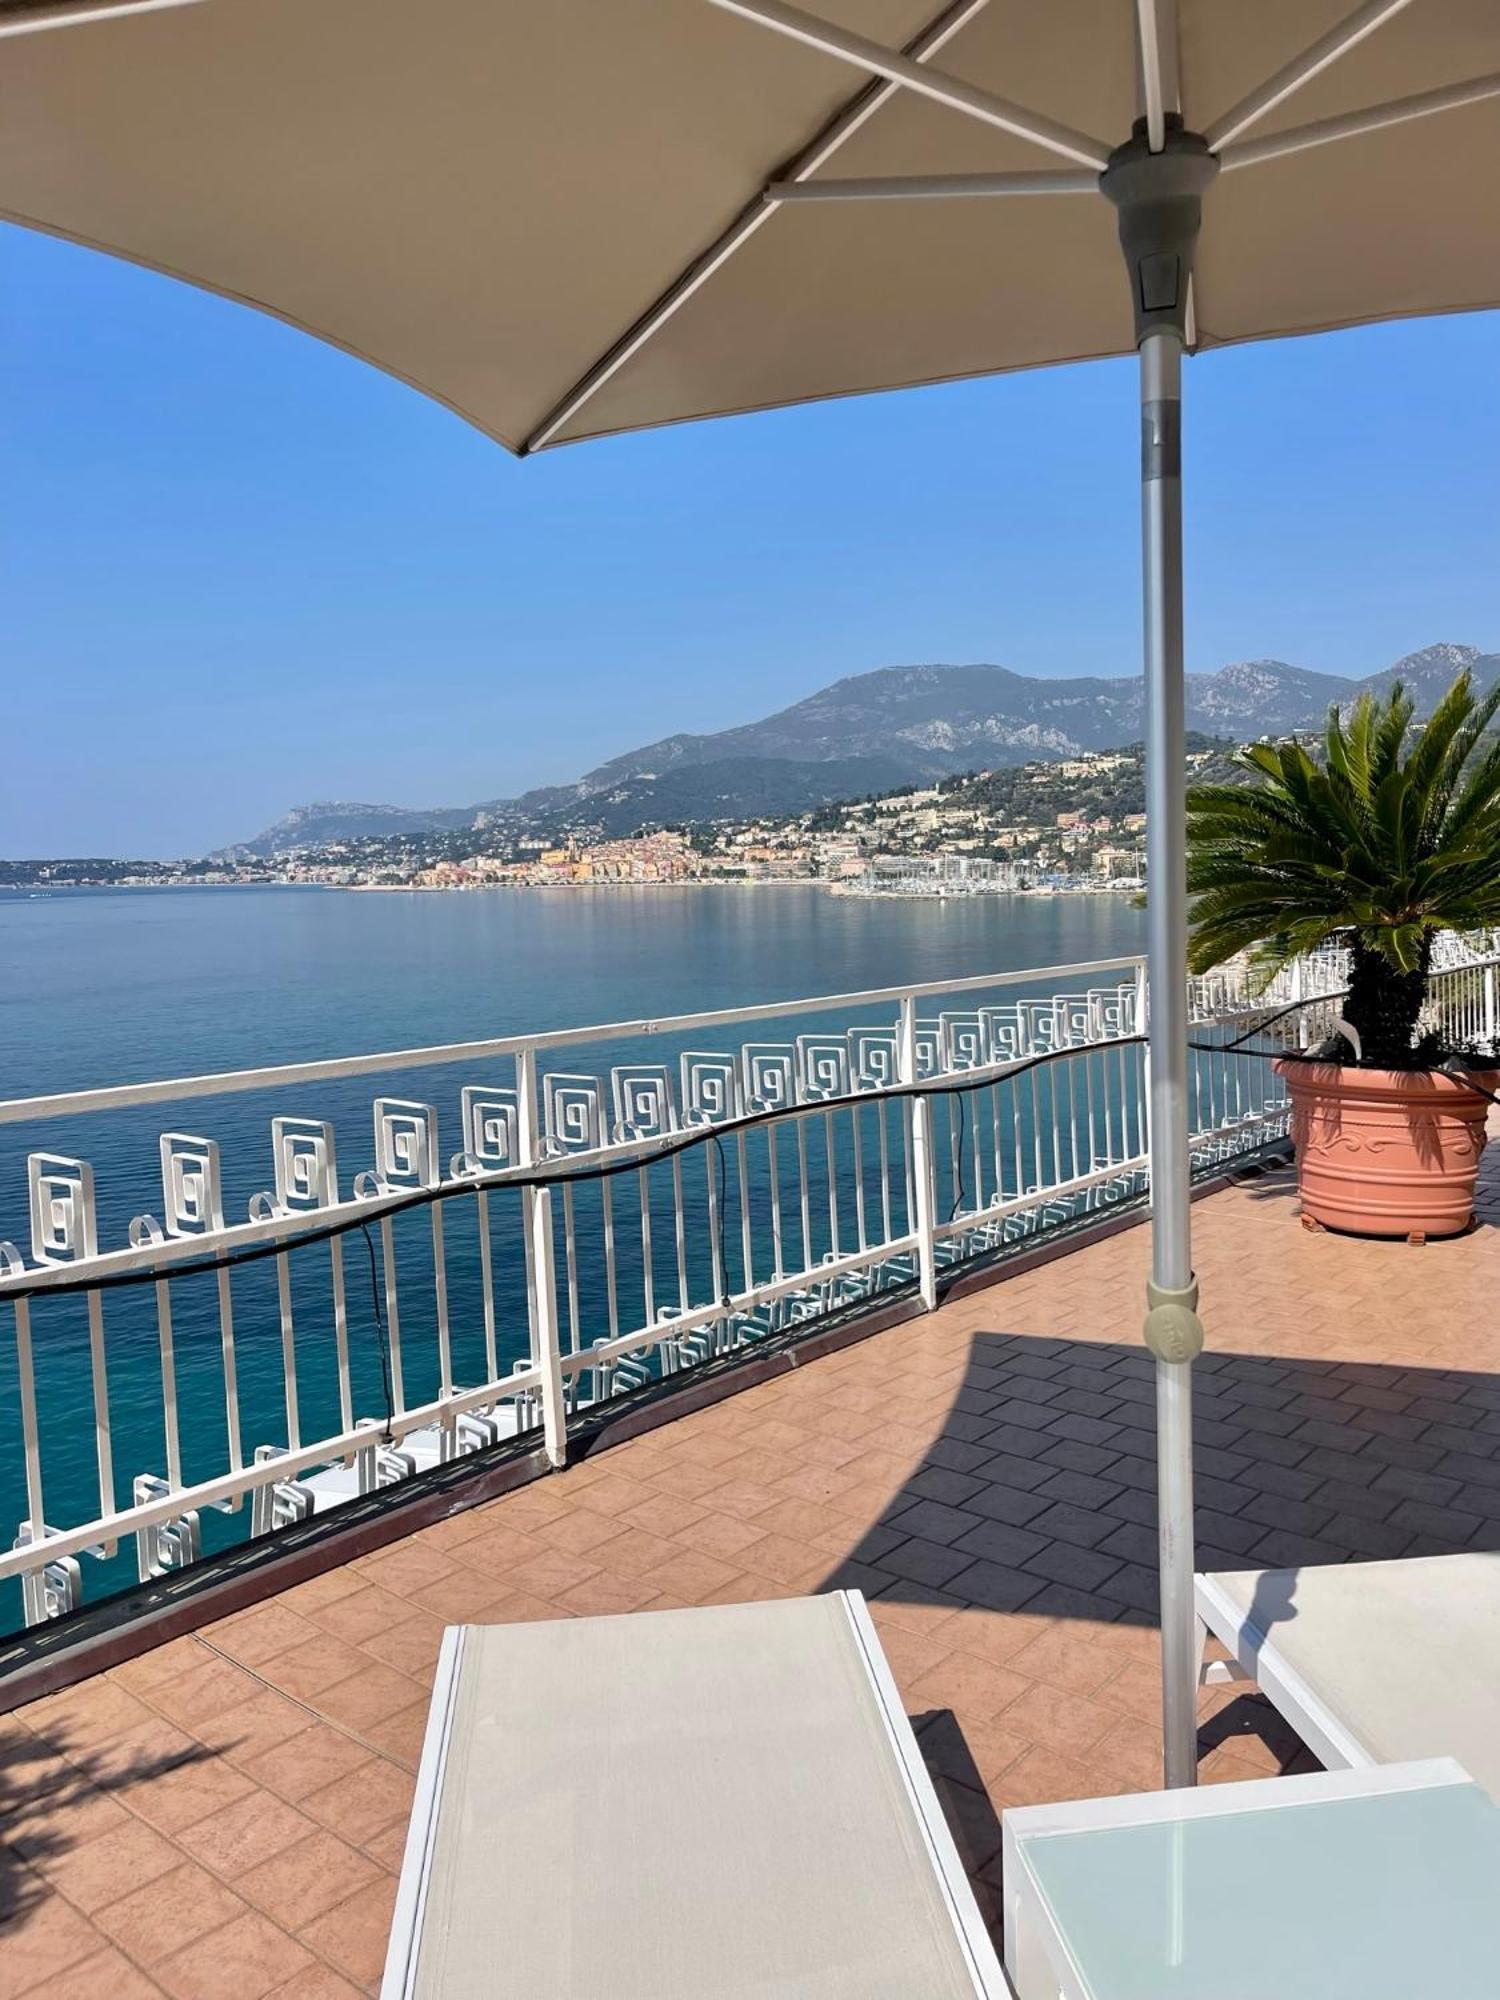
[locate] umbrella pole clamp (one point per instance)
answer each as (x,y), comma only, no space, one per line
(1173,1330)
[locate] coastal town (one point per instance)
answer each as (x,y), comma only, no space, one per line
(1044,827)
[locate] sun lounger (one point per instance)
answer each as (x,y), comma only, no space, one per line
(1372,1663)
(675,1805)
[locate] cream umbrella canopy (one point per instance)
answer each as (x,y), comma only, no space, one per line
(569,218)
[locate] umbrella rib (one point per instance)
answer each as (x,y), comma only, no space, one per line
(844,123)
(32,19)
(1160,94)
(1351,124)
(1348,34)
(951,91)
(924,187)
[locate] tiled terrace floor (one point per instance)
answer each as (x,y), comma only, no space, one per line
(225,1816)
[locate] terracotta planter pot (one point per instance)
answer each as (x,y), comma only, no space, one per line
(1384,1152)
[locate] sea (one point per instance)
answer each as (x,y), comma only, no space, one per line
(101,987)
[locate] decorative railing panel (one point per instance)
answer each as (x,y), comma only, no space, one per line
(519,1231)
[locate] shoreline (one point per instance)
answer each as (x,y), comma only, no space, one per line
(29,892)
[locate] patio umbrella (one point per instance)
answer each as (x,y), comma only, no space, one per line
(580,217)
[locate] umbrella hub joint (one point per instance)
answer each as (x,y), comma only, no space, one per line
(1159,200)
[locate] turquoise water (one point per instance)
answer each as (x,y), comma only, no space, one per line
(105,987)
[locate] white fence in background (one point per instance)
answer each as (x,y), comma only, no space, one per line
(345,1336)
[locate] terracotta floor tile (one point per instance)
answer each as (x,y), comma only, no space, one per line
(736,1500)
(786,1561)
(1043,1776)
(260,1634)
(974,1689)
(1002,1636)
(56,1811)
(804,1521)
(746,1589)
(251,1726)
(204,1692)
(305,1670)
(244,1835)
(633,1552)
(664,1513)
(318,1756)
(367,1698)
(163,1916)
(611,1495)
(161,1662)
(400,1735)
(1064,1658)
(604,1595)
(580,1532)
(458,1598)
(916,1610)
(90,1714)
(364,1610)
(105,1976)
(41,1938)
(388,1849)
(911,1655)
(719,1535)
(91,1873)
(550,1574)
(341,1581)
(1137,1689)
(364,1803)
(500,1550)
(412,1646)
(245,1960)
(167,1778)
(405,1567)
(689,1576)
(318,1982)
(516,1608)
(354,1936)
(306,1879)
(1069,1723)
(541,1502)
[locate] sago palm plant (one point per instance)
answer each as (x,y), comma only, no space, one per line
(1392,837)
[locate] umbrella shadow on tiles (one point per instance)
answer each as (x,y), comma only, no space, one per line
(1037,1495)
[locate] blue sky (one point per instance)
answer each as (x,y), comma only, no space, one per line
(241,571)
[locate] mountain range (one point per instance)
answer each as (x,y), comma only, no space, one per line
(876,731)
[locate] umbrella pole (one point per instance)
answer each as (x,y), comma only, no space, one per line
(1158,194)
(1166,960)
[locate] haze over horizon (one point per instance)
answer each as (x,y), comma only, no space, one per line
(243,571)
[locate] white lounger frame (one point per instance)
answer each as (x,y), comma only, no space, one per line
(1254,1658)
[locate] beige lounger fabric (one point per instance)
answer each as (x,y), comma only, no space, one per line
(1404,1655)
(680,1805)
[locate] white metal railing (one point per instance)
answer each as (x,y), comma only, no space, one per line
(600,1226)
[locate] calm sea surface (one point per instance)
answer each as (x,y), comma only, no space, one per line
(103,987)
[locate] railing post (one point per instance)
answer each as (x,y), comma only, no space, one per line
(921,1155)
(1489,1006)
(1299,994)
(1142,1011)
(546,1346)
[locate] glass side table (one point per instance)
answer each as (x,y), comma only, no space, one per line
(1376,1884)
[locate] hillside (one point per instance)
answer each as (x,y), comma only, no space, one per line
(871,732)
